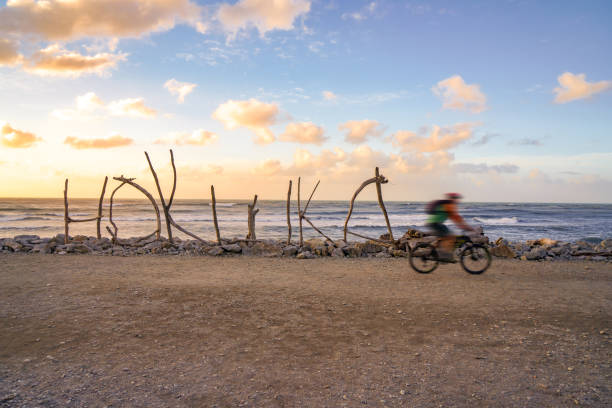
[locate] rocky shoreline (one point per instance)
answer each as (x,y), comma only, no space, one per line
(534,250)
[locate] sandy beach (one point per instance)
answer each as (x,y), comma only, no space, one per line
(156,331)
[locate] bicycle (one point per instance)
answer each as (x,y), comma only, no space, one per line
(474,258)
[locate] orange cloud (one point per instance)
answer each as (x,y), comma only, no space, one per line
(329,96)
(180,89)
(252,114)
(69,20)
(305,132)
(439,139)
(268,168)
(199,137)
(456,94)
(264,15)
(102,143)
(57,61)
(131,107)
(574,87)
(14,138)
(8,53)
(358,131)
(304,161)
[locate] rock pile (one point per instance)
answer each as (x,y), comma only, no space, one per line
(542,249)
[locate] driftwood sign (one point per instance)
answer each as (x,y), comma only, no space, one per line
(252,211)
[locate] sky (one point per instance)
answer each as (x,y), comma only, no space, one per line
(499,100)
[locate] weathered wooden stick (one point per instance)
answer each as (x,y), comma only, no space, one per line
(66,216)
(148,195)
(300,212)
(318,230)
(361,187)
(310,198)
(289,214)
(173,181)
(184,231)
(252,212)
(372,239)
(161,198)
(110,213)
(381,202)
(214,211)
(100,208)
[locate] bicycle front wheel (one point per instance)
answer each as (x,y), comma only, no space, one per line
(475,259)
(424,258)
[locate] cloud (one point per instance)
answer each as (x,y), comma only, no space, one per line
(198,137)
(574,87)
(252,114)
(89,104)
(439,139)
(9,55)
(358,131)
(306,162)
(131,107)
(264,15)
(417,163)
(268,168)
(525,142)
(365,156)
(56,61)
(484,139)
(69,20)
(485,168)
(362,14)
(115,140)
(456,94)
(18,139)
(329,96)
(180,89)
(305,132)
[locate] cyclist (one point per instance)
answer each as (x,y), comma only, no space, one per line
(439,211)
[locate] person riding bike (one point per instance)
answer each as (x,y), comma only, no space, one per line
(439,211)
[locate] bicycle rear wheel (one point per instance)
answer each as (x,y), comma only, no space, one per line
(424,258)
(475,259)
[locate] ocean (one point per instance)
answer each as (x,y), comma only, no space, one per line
(512,221)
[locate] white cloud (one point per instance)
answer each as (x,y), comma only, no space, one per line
(574,87)
(358,131)
(89,104)
(329,96)
(304,132)
(179,89)
(306,162)
(198,137)
(264,15)
(456,94)
(439,139)
(252,114)
(362,14)
(482,168)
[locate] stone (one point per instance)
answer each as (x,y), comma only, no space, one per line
(80,249)
(12,245)
(340,243)
(503,251)
(604,245)
(383,255)
(536,253)
(305,255)
(337,253)
(215,251)
(313,243)
(354,251)
(26,239)
(290,250)
(232,248)
(500,241)
(398,253)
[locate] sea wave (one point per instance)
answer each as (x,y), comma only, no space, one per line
(223,204)
(42,227)
(497,221)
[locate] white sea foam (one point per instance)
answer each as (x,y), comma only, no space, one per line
(497,221)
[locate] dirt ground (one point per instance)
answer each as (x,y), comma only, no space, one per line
(93,331)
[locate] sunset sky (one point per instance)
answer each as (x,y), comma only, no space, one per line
(499,100)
